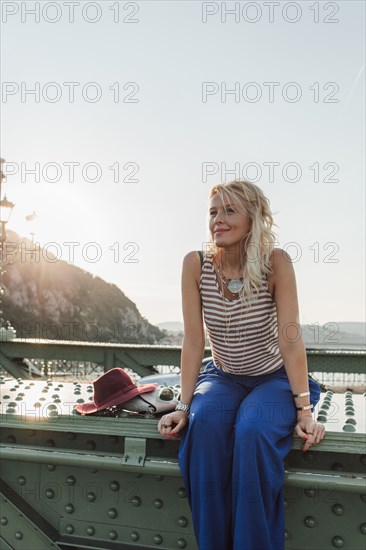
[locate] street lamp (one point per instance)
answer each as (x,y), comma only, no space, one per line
(7,332)
(6,208)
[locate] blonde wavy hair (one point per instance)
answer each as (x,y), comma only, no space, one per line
(245,197)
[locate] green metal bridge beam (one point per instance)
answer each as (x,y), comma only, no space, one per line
(22,526)
(141,358)
(12,367)
(330,480)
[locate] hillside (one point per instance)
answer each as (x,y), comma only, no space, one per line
(57,300)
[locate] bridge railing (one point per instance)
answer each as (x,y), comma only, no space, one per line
(88,359)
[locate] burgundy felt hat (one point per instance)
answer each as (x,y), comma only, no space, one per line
(112,388)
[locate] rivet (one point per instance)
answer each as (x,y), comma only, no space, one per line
(158,539)
(338,542)
(70,480)
(363,528)
(158,503)
(114,486)
(69,529)
(91,497)
(37,405)
(50,493)
(337,467)
(182,492)
(113,535)
(4,520)
(309,521)
(310,493)
(351,421)
(321,418)
(51,407)
(52,413)
(350,413)
(159,478)
(80,400)
(51,467)
(112,513)
(348,428)
(6,396)
(181,543)
(21,480)
(19,398)
(363,459)
(90,445)
(134,536)
(19,535)
(338,509)
(55,396)
(325,406)
(182,521)
(90,531)
(69,508)
(136,501)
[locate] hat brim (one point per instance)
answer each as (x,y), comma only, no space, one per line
(117,399)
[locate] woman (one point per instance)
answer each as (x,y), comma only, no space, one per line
(237,418)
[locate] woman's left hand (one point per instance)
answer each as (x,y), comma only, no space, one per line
(307,428)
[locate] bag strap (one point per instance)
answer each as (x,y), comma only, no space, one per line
(201,256)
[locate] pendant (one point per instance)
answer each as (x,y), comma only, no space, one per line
(235,286)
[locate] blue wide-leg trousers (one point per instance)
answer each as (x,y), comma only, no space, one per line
(231,458)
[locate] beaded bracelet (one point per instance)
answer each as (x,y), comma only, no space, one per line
(306,408)
(303,394)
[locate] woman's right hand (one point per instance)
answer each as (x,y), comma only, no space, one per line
(172,423)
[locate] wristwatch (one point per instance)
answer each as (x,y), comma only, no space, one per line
(182,407)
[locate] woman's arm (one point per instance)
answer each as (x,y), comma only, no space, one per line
(194,340)
(291,343)
(193,343)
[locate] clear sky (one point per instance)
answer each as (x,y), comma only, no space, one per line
(151,95)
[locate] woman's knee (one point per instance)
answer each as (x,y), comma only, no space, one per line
(208,412)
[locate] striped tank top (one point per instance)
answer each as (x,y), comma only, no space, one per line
(243,340)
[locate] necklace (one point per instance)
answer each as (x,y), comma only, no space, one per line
(234,285)
(235,335)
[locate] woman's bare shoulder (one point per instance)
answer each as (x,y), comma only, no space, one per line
(192,264)
(281,263)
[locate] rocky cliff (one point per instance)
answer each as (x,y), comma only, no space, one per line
(59,301)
